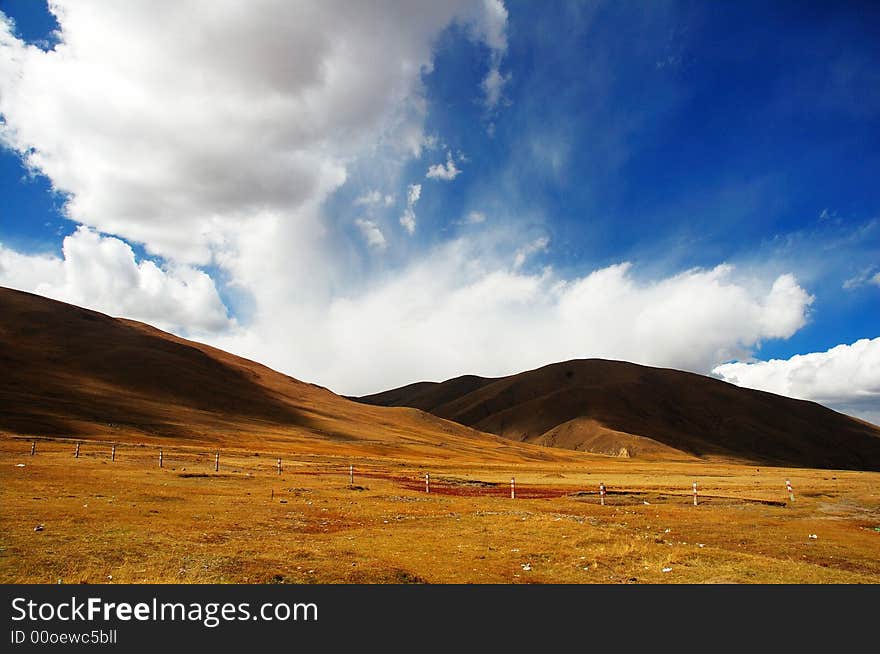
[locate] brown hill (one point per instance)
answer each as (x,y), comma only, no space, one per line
(620,408)
(68,371)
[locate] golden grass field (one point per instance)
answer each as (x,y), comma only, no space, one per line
(128,521)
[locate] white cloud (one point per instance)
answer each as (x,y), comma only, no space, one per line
(214,135)
(490,27)
(102,273)
(431,141)
(374,199)
(474,218)
(371,233)
(446,172)
(846,377)
(865,277)
(408,219)
(493,86)
(522,254)
(179,128)
(369,198)
(460,309)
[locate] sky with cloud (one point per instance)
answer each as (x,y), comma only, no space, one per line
(367,194)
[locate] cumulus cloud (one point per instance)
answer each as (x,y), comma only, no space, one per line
(408,219)
(102,273)
(177,128)
(214,135)
(845,377)
(371,233)
(445,172)
(461,309)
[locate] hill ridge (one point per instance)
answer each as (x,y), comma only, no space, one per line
(658,411)
(74,372)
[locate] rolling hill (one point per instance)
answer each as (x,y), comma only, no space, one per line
(71,372)
(620,408)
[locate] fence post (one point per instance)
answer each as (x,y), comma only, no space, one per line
(33,447)
(695,493)
(789,489)
(113,453)
(427,483)
(279,465)
(217,461)
(602,494)
(76,453)
(512,488)
(160,457)
(351,474)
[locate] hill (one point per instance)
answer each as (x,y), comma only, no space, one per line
(71,372)
(620,408)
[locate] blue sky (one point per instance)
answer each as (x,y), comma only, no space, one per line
(689,134)
(675,136)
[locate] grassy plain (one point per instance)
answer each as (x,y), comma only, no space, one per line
(93,520)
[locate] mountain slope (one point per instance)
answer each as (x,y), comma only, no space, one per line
(615,407)
(68,371)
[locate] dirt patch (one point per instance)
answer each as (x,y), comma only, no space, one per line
(211,475)
(632,497)
(468,488)
(385,576)
(476,483)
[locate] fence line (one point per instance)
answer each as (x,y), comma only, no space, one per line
(185,451)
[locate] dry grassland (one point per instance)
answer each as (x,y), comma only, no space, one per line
(128,521)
